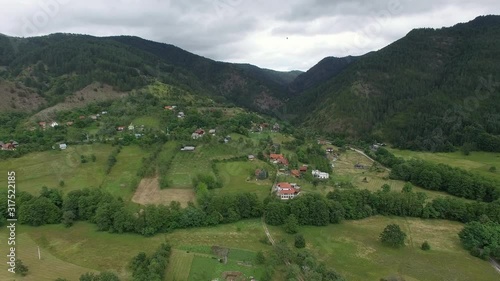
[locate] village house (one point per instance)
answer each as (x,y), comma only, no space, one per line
(295,173)
(81,117)
(286,191)
(278,159)
(42,124)
(94,117)
(329,150)
(63,146)
(227,139)
(104,112)
(251,157)
(11,145)
(54,124)
(131,127)
(170,107)
(198,134)
(120,128)
(181,115)
(212,132)
(188,148)
(69,123)
(303,169)
(320,175)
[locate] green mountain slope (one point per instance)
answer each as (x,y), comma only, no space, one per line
(57,65)
(430,90)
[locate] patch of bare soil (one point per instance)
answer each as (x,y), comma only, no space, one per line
(149,192)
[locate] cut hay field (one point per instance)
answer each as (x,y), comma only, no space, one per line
(478,162)
(353,249)
(235,176)
(50,167)
(69,252)
(149,192)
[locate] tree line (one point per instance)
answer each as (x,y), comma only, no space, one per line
(439,177)
(354,204)
(116,216)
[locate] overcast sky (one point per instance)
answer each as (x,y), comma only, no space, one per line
(277,34)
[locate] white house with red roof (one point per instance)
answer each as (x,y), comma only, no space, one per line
(285,190)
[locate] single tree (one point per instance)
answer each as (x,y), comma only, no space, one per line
(493,169)
(426,246)
(21,269)
(260,258)
(393,236)
(300,241)
(291,224)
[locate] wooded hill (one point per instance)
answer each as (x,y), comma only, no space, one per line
(434,89)
(430,90)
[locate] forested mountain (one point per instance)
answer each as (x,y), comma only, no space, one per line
(59,64)
(324,70)
(434,89)
(430,90)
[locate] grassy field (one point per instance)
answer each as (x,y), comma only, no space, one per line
(122,179)
(188,164)
(48,267)
(344,171)
(353,249)
(50,167)
(479,162)
(147,121)
(69,252)
(179,266)
(235,176)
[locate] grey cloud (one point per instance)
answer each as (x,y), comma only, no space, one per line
(245,31)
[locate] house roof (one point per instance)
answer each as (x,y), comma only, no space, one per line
(276,156)
(284,185)
(295,173)
(200,132)
(303,169)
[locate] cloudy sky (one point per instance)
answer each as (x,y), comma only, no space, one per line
(277,34)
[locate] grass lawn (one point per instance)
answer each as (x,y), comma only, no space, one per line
(353,249)
(207,268)
(235,176)
(479,162)
(147,121)
(69,252)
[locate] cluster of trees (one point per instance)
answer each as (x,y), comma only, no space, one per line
(316,156)
(482,238)
(112,159)
(89,276)
(151,268)
(439,177)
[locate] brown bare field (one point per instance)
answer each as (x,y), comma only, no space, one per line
(90,94)
(149,192)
